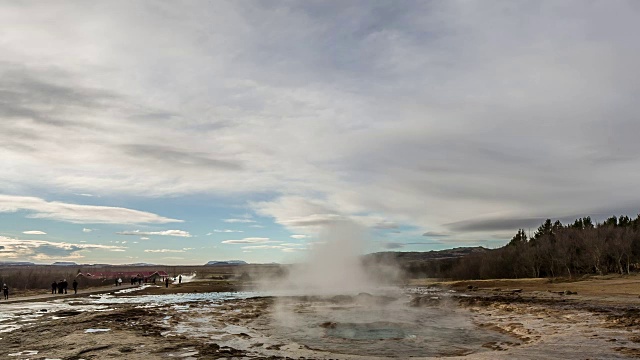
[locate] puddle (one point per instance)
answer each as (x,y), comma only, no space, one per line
(25,353)
(95,330)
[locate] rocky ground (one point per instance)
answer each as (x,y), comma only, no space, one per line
(541,322)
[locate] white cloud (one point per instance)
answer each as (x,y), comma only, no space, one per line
(293,249)
(225,231)
(86,230)
(292,244)
(178,233)
(144,238)
(45,250)
(163,251)
(261,247)
(249,240)
(299,236)
(462,82)
(238,221)
(74,213)
(34,232)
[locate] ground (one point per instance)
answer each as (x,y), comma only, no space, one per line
(542,318)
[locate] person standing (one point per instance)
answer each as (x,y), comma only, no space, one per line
(60,287)
(54,287)
(119,281)
(180,279)
(75,286)
(5,291)
(166,282)
(65,285)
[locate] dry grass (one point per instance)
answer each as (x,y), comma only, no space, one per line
(600,286)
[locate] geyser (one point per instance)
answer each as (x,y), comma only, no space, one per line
(333,265)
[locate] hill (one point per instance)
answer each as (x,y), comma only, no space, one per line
(411,256)
(226,263)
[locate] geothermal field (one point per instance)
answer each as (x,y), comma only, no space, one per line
(331,308)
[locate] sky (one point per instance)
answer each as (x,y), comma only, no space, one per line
(178,132)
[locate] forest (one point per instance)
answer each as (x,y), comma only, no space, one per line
(554,250)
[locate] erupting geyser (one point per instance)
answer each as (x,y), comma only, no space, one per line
(335,304)
(333,266)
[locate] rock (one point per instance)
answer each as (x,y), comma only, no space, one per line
(328,325)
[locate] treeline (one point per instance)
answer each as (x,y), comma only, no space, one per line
(582,247)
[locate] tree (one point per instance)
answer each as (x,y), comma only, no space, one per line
(519,238)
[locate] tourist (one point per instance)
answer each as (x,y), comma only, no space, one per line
(119,281)
(180,279)
(65,285)
(5,291)
(75,286)
(60,287)
(54,287)
(166,282)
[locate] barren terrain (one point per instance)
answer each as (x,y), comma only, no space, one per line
(538,319)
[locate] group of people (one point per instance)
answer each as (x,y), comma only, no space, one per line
(61,286)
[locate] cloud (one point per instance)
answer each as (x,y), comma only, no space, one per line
(495,224)
(393,245)
(86,230)
(261,247)
(399,245)
(34,232)
(80,214)
(299,236)
(178,233)
(293,250)
(163,251)
(238,221)
(249,240)
(488,112)
(45,250)
(144,238)
(434,234)
(225,231)
(386,225)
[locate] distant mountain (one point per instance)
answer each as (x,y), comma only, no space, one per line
(408,256)
(140,264)
(64,263)
(16,263)
(227,262)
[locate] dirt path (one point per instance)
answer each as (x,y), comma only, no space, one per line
(70,294)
